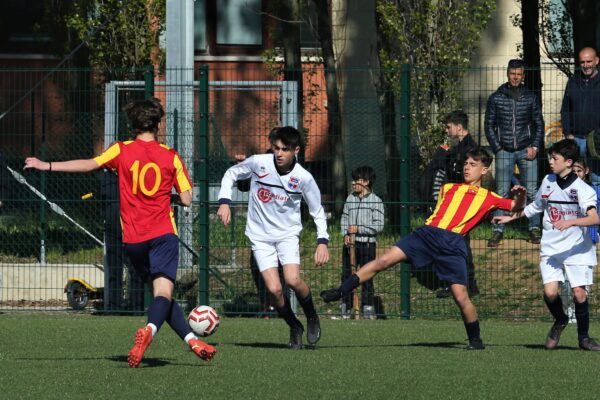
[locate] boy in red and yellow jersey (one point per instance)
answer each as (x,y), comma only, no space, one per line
(147,172)
(459,208)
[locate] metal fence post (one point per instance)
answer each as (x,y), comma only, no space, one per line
(148,81)
(201,177)
(404,184)
(148,94)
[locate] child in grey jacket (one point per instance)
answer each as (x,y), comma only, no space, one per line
(363,216)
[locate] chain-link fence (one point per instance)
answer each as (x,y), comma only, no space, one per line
(60,246)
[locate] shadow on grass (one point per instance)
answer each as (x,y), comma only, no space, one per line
(146,362)
(262,345)
(449,345)
(542,347)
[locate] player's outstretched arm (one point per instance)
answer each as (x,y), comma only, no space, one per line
(224,214)
(61,166)
(519,198)
(321,255)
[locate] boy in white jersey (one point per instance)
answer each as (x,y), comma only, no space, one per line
(569,205)
(278,184)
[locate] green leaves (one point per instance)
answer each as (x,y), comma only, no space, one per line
(438,38)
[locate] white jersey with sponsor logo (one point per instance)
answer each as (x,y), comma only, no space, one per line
(274,205)
(571,246)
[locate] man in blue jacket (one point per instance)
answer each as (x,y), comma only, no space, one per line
(514,128)
(580,110)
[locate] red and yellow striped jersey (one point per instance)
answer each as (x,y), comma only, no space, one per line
(147,172)
(461,207)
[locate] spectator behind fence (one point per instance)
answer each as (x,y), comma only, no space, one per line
(580,110)
(363,216)
(569,205)
(457,128)
(514,128)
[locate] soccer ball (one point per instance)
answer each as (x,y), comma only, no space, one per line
(203,320)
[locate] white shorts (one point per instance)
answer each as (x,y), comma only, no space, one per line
(266,254)
(554,271)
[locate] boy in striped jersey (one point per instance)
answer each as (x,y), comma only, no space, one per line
(460,207)
(569,206)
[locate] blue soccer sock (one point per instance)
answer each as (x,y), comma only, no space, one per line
(556,309)
(349,284)
(582,314)
(158,311)
(177,321)
(473,331)
(308,306)
(287,314)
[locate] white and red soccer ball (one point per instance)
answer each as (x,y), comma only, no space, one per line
(203,320)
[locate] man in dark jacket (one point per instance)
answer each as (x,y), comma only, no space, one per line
(514,128)
(580,110)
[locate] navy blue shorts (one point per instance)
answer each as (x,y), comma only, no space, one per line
(155,257)
(446,250)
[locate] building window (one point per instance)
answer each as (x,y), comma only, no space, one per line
(239,22)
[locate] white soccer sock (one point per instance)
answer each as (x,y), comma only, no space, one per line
(189,337)
(154,328)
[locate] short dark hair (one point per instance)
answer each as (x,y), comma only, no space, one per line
(144,115)
(515,63)
(457,117)
(364,172)
(288,135)
(567,148)
(480,154)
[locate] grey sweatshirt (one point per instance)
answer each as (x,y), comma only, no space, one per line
(367,213)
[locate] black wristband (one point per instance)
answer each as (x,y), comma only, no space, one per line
(49,166)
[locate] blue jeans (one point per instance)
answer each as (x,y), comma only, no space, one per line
(528,171)
(582,143)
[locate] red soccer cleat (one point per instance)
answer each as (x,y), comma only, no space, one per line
(143,338)
(203,350)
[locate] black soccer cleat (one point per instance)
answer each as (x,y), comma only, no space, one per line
(554,334)
(314,330)
(475,344)
(589,344)
(330,295)
(296,337)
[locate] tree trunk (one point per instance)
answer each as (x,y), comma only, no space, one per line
(531,46)
(334,134)
(292,71)
(583,14)
(387,107)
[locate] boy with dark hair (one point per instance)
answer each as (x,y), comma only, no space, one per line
(568,205)
(459,208)
(362,219)
(147,172)
(278,185)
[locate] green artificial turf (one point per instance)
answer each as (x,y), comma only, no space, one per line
(77,356)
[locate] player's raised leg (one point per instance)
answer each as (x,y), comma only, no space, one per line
(291,272)
(391,257)
(469,315)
